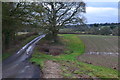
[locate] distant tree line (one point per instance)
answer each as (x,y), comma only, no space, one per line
(96,29)
(104,29)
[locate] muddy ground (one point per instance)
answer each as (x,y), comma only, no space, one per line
(110,61)
(100,50)
(51,69)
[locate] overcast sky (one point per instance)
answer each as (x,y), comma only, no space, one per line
(101,12)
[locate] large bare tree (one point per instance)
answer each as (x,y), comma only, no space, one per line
(58,14)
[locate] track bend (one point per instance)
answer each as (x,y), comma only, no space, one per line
(18,66)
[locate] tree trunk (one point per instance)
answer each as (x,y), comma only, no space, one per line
(54,35)
(3,43)
(8,38)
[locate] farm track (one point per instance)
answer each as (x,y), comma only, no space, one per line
(18,65)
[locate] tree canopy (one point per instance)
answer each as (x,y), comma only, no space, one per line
(59,14)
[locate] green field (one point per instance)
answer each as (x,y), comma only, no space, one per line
(71,67)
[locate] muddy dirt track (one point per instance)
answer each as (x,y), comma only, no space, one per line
(18,66)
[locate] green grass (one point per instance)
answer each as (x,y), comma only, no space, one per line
(98,71)
(5,55)
(71,41)
(74,44)
(87,69)
(98,35)
(13,50)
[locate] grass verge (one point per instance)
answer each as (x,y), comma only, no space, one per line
(70,66)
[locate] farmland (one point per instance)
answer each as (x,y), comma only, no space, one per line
(57,39)
(71,62)
(100,50)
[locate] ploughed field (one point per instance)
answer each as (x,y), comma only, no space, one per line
(100,50)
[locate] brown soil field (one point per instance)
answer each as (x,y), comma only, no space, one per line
(100,50)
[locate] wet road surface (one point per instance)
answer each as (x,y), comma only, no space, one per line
(18,66)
